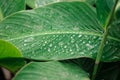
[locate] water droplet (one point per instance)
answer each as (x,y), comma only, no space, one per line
(72,52)
(49,49)
(72,41)
(83,42)
(79,36)
(71,37)
(50,45)
(76,28)
(61,43)
(33,45)
(65,46)
(29,39)
(25,44)
(45,42)
(89,46)
(82,53)
(7,27)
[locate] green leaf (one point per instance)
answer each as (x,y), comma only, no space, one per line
(103,10)
(8,7)
(58,31)
(39,3)
(51,71)
(10,56)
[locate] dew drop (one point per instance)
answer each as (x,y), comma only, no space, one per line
(72,41)
(29,39)
(71,37)
(65,46)
(7,27)
(49,49)
(82,53)
(89,46)
(61,43)
(76,28)
(72,52)
(45,42)
(33,45)
(79,36)
(25,44)
(50,45)
(83,42)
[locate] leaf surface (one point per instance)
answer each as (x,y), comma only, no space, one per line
(10,56)
(103,10)
(58,31)
(51,71)
(8,7)
(39,3)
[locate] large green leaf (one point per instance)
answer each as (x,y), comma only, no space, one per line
(8,7)
(39,3)
(58,31)
(10,56)
(51,71)
(103,10)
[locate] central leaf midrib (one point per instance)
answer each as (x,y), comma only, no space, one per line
(59,33)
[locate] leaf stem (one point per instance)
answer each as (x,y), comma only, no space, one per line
(100,50)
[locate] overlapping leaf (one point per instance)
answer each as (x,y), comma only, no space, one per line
(58,31)
(51,71)
(8,7)
(10,57)
(39,3)
(103,10)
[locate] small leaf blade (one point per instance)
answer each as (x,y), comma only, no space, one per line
(10,57)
